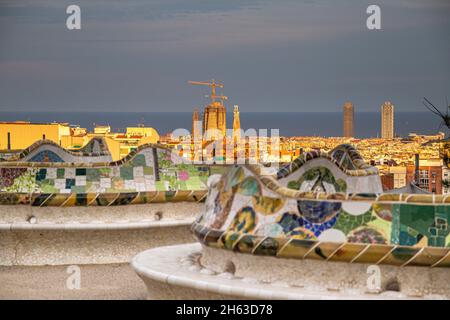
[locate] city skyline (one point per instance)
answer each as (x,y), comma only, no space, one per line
(294,56)
(220,150)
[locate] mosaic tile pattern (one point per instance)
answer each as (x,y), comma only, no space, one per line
(345,156)
(149,174)
(371,228)
(340,171)
(46,156)
(40,152)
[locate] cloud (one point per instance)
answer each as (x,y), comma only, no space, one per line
(297,55)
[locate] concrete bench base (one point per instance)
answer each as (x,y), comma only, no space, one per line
(86,243)
(178,272)
(90,235)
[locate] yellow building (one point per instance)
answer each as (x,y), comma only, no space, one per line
(21,134)
(143,132)
(119,144)
(75,141)
(102,129)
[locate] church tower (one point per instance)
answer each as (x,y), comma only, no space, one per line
(195,124)
(214,115)
(236,124)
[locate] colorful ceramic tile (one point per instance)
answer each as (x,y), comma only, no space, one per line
(347,252)
(60,173)
(124,198)
(373,254)
(323,251)
(296,248)
(269,246)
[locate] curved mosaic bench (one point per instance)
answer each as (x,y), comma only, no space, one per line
(344,156)
(340,170)
(261,226)
(149,173)
(284,235)
(97,212)
(252,213)
(96,150)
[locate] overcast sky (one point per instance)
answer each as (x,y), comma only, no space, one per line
(283,55)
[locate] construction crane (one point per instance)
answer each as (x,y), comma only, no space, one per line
(213,84)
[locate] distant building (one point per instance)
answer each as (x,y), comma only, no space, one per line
(348,119)
(99,129)
(387,120)
(398,175)
(18,135)
(387,181)
(143,132)
(429,175)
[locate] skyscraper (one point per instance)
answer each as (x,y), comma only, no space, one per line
(236,125)
(387,120)
(348,119)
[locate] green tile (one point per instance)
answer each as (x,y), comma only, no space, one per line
(93,174)
(148,171)
(50,182)
(104,172)
(138,160)
(126,173)
(182,185)
(79,189)
(194,183)
(48,188)
(60,173)
(160,186)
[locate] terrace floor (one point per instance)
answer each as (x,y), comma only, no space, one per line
(109,281)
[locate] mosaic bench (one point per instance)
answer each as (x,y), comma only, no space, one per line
(97,212)
(96,150)
(146,171)
(306,227)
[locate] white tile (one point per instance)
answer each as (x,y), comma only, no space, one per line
(138,171)
(140,187)
(80,181)
(51,173)
(105,183)
(129,184)
(69,173)
(60,183)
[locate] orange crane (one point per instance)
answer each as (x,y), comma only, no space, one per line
(213,84)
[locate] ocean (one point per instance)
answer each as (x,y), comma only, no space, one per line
(325,124)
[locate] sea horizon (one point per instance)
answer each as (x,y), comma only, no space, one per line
(301,123)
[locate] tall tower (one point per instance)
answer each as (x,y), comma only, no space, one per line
(236,124)
(387,120)
(195,124)
(214,116)
(348,119)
